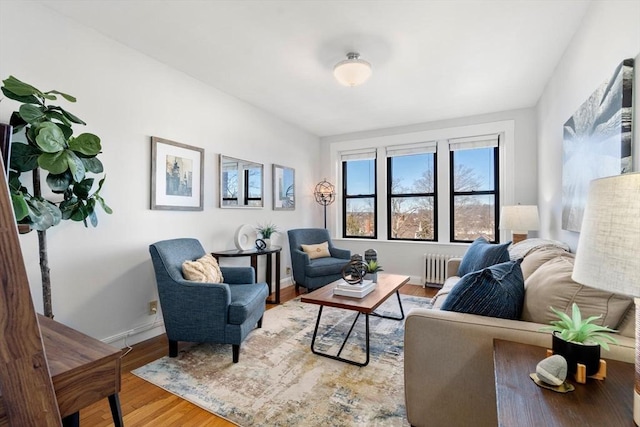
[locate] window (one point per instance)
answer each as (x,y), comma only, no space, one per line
(411,192)
(474,188)
(359,194)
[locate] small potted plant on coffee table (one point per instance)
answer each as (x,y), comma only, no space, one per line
(372,270)
(579,340)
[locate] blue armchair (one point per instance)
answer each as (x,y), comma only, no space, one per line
(222,313)
(315,273)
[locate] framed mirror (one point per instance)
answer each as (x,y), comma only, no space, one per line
(284,195)
(241,183)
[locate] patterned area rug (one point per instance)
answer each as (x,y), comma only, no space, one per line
(279,382)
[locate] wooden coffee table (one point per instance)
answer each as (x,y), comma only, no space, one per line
(387,285)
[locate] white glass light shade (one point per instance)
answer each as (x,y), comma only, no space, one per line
(608,250)
(353,71)
(520,219)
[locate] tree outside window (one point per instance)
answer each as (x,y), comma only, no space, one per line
(359,198)
(474,184)
(411,207)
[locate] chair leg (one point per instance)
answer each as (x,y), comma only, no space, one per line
(297,287)
(236,352)
(173,348)
(260,322)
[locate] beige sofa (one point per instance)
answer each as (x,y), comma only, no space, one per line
(448,356)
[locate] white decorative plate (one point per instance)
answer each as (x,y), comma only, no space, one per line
(245,237)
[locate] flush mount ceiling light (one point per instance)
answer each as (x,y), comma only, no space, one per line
(353,71)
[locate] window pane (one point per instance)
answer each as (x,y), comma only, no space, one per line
(412,218)
(360,217)
(412,174)
(474,216)
(255,183)
(361,177)
(474,170)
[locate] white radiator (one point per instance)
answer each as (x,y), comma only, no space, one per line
(435,266)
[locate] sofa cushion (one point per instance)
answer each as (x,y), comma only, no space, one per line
(321,250)
(482,254)
(526,246)
(444,292)
(204,269)
(496,291)
(539,256)
(551,285)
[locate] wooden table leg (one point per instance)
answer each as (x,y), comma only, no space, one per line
(268,276)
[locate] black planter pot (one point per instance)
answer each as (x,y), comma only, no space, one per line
(587,354)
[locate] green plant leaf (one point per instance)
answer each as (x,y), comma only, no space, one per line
(14,181)
(43,214)
(82,189)
(28,99)
(56,163)
(75,166)
(105,208)
(55,115)
(59,182)
(71,117)
(24,157)
(31,113)
(86,143)
(20,88)
(20,208)
(50,138)
(17,122)
(64,95)
(68,206)
(92,164)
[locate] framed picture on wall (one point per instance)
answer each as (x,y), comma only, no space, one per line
(284,194)
(596,142)
(177,176)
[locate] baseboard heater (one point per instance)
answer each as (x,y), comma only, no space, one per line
(435,266)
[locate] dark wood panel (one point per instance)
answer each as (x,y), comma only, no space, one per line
(26,384)
(522,403)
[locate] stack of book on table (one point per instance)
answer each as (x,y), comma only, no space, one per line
(358,290)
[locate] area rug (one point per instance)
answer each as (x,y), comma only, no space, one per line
(279,382)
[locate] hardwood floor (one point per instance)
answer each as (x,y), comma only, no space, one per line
(144,404)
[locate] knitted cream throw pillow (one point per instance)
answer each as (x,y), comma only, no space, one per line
(205,269)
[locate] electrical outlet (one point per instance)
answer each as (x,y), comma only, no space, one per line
(153,307)
(288,270)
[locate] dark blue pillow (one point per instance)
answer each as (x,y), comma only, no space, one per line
(496,291)
(482,254)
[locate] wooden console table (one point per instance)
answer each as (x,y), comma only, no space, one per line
(83,370)
(522,403)
(253,254)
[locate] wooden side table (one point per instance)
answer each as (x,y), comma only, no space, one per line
(522,403)
(83,370)
(254,254)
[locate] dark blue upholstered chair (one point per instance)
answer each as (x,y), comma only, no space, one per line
(222,313)
(315,273)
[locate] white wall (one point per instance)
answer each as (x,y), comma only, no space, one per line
(102,278)
(519,182)
(608,34)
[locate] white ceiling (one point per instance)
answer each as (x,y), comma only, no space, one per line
(431,59)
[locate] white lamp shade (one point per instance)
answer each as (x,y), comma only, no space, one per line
(520,219)
(608,254)
(353,71)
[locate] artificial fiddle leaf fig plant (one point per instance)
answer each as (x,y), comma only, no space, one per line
(44,139)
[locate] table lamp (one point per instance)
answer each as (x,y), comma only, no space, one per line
(520,219)
(608,254)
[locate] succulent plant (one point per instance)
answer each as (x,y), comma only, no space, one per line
(578,330)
